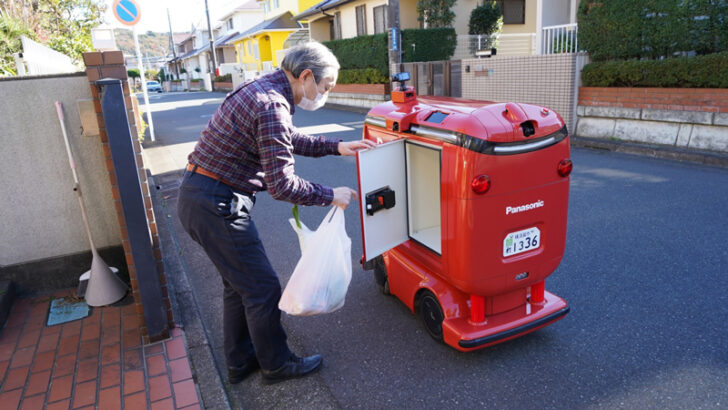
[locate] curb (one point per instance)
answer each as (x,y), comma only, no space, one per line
(185,307)
(656,151)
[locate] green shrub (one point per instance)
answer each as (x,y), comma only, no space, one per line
(361,52)
(617,29)
(361,76)
(370,52)
(436,13)
(431,44)
(678,72)
(486,19)
(224,78)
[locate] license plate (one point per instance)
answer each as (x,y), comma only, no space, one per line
(521,241)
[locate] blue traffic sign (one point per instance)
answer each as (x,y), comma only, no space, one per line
(127,12)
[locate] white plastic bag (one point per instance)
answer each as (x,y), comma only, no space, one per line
(321,278)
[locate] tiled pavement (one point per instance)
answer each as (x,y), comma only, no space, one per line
(96,362)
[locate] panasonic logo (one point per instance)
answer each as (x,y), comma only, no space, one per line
(522,208)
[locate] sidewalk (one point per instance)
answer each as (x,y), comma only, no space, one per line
(96,362)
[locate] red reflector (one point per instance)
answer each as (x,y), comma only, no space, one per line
(565,167)
(480,184)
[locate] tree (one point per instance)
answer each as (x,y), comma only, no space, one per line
(133,73)
(162,75)
(484,21)
(435,13)
(151,74)
(63,25)
(10,31)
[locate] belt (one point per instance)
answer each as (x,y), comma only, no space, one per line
(199,170)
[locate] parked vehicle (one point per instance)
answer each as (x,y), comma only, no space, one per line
(154,86)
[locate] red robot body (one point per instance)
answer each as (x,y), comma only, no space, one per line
(463,208)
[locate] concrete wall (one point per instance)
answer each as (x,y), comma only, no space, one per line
(546,80)
(39,211)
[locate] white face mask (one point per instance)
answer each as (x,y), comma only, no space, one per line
(309,104)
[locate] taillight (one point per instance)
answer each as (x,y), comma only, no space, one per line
(565,167)
(480,184)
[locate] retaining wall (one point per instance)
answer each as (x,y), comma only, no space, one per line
(687,118)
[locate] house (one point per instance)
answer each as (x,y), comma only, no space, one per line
(338,19)
(238,20)
(260,48)
(529,26)
(193,51)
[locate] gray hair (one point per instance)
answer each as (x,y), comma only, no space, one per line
(314,56)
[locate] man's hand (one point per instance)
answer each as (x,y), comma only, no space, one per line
(351,147)
(342,196)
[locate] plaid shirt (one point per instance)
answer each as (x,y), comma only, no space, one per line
(250,142)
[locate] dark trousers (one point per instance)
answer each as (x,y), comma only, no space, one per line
(218,218)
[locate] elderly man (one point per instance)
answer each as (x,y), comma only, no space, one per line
(248,147)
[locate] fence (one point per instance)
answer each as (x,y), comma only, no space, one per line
(560,39)
(40,59)
(478,46)
(441,78)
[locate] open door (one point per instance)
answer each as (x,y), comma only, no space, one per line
(382,197)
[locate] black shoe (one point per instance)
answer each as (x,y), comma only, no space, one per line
(293,368)
(238,374)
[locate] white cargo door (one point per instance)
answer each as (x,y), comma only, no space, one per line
(382,170)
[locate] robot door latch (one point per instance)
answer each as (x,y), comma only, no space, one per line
(382,198)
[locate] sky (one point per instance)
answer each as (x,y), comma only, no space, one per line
(184,14)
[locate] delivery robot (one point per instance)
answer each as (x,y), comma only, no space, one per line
(463,210)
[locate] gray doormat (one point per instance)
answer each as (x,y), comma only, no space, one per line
(67,309)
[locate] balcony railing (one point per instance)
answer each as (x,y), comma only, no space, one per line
(560,39)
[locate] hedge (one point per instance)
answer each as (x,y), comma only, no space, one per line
(361,76)
(431,44)
(361,52)
(370,52)
(618,29)
(679,72)
(224,78)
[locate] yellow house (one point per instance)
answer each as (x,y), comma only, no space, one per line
(258,48)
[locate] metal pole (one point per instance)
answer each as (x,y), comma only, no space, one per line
(212,48)
(395,56)
(144,84)
(171,42)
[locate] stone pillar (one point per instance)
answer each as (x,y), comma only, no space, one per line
(110,64)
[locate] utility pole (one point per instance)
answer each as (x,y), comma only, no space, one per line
(395,38)
(171,43)
(212,48)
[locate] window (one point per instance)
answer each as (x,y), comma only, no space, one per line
(514,11)
(230,23)
(337,25)
(265,7)
(275,4)
(380,19)
(361,20)
(250,48)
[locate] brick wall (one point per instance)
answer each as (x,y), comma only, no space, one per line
(110,64)
(678,99)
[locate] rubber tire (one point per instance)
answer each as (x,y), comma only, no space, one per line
(431,315)
(380,275)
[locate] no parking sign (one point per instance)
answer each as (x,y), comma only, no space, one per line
(127,12)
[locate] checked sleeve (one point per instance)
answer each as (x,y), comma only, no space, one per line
(276,148)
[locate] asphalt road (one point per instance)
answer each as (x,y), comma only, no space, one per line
(645,273)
